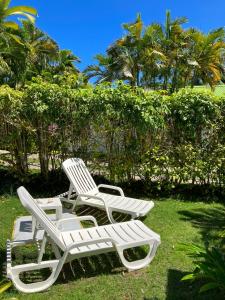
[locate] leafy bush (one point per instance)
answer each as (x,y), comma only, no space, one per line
(209,267)
(124,132)
(13,135)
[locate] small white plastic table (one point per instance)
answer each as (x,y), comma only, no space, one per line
(51,204)
(23,231)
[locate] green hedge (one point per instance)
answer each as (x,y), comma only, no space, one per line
(122,132)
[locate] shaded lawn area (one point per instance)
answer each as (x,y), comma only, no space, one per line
(102,277)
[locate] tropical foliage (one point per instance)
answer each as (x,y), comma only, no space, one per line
(27,52)
(209,267)
(139,121)
(162,56)
(136,133)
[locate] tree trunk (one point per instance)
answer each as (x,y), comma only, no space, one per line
(43,152)
(20,153)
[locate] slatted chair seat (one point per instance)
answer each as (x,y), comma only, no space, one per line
(69,244)
(88,193)
(120,204)
(124,234)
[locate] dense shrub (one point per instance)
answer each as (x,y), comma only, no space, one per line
(123,132)
(13,134)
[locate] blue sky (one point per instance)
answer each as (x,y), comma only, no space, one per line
(88,27)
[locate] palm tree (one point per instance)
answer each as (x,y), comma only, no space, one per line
(40,49)
(130,50)
(206,54)
(6,12)
(153,59)
(64,62)
(102,70)
(10,42)
(162,56)
(122,58)
(173,44)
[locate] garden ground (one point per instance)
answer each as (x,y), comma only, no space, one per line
(102,277)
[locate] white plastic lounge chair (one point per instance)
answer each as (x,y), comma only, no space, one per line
(73,244)
(88,193)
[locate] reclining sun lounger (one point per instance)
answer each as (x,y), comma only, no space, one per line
(72,244)
(88,193)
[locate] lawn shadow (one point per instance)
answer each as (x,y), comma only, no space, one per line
(181,290)
(2,262)
(211,224)
(92,266)
(101,215)
(210,221)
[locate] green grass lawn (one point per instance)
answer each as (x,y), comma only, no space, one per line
(102,277)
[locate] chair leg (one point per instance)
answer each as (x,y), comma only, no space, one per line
(110,216)
(141,263)
(42,249)
(13,273)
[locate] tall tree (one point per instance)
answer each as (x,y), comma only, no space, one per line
(64,62)
(206,54)
(40,49)
(122,60)
(6,11)
(12,51)
(165,56)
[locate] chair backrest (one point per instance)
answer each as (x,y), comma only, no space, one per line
(42,218)
(79,176)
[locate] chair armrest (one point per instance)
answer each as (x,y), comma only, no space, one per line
(112,187)
(71,201)
(77,218)
(107,208)
(93,197)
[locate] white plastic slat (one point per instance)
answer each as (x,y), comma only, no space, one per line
(141,206)
(78,237)
(67,238)
(79,175)
(149,233)
(95,235)
(84,174)
(116,235)
(135,205)
(111,199)
(89,177)
(78,179)
(73,178)
(119,228)
(130,232)
(123,203)
(135,231)
(139,230)
(84,234)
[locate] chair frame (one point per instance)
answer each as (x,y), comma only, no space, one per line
(53,233)
(86,191)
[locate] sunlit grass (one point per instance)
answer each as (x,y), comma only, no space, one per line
(102,277)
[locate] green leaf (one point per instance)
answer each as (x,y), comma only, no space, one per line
(188,277)
(5,286)
(12,25)
(21,9)
(28,16)
(209,286)
(16,38)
